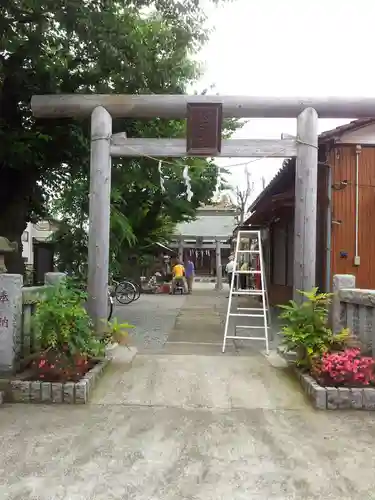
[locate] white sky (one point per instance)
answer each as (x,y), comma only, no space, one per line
(288,48)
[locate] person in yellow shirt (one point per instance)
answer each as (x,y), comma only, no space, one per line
(178,273)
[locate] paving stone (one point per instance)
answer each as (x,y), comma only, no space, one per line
(89,379)
(344,399)
(20,391)
(81,396)
(314,391)
(46,392)
(56,392)
(369,398)
(35,392)
(320,396)
(304,382)
(310,382)
(68,392)
(332,398)
(357,398)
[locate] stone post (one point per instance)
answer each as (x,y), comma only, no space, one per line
(10,311)
(53,278)
(340,282)
(10,320)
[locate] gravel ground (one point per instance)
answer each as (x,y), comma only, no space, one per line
(153,316)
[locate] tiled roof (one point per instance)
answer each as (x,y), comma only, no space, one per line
(208,225)
(348,127)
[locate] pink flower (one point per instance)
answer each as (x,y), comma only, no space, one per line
(347,367)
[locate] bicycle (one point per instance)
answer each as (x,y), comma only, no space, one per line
(125,291)
(138,288)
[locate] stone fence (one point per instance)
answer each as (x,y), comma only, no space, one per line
(354,308)
(17,304)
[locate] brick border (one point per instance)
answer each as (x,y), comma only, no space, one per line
(336,398)
(25,391)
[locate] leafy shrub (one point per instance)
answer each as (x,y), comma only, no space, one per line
(116,332)
(305,328)
(347,368)
(62,324)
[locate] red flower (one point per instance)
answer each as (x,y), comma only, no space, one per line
(345,368)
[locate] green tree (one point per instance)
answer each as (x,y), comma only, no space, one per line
(141,213)
(65,46)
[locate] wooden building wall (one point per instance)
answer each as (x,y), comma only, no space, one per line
(282,247)
(343,160)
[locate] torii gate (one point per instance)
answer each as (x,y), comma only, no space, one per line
(104,145)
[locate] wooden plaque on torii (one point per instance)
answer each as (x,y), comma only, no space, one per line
(203,131)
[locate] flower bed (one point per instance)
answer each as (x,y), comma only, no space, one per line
(69,355)
(336,398)
(71,392)
(333,371)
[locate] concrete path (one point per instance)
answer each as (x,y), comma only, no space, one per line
(199,326)
(153,316)
(179,426)
(186,381)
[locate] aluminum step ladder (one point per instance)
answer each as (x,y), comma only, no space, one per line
(263,311)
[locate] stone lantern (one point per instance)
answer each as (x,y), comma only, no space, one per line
(5,247)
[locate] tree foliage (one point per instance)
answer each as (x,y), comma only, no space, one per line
(86,46)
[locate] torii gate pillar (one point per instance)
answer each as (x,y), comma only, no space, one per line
(306,188)
(99,216)
(219,272)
